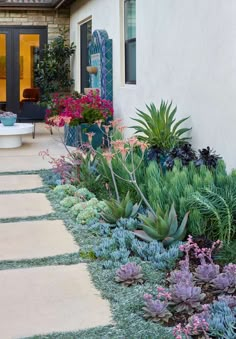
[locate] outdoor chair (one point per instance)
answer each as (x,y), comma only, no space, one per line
(30,110)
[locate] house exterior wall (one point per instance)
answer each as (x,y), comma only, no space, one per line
(186,52)
(54,20)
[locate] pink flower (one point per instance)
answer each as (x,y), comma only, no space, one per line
(107,128)
(142,145)
(121,128)
(132,141)
(115,122)
(108,156)
(123,151)
(118,143)
(90,136)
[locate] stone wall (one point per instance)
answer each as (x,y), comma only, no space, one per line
(53,19)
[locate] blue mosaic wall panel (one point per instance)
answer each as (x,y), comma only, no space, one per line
(100,55)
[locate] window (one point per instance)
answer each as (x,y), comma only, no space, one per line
(130,41)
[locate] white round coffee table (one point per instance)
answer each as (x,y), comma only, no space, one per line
(10,136)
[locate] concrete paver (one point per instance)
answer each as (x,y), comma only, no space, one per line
(24,205)
(35,239)
(49,299)
(27,156)
(20,182)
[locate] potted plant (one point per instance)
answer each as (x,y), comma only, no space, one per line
(52,73)
(78,114)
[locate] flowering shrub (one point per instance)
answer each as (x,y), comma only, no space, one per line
(73,111)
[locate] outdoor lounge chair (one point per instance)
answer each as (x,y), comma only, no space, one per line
(30,110)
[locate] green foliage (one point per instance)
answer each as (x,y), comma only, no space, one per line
(117,210)
(90,178)
(62,191)
(87,211)
(179,185)
(158,126)
(52,73)
(118,168)
(219,207)
(164,226)
(227,253)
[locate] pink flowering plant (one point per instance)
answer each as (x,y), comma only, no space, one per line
(73,110)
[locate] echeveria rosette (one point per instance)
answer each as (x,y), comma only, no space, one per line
(186,298)
(207,272)
(129,274)
(178,276)
(225,282)
(155,309)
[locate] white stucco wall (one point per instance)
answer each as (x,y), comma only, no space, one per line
(186,52)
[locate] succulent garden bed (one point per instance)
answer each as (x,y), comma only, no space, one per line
(161,222)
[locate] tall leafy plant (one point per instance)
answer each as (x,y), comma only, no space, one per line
(158,127)
(52,72)
(179,185)
(219,207)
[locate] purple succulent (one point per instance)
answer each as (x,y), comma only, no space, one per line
(178,276)
(129,274)
(225,282)
(207,272)
(230,268)
(230,300)
(186,297)
(156,309)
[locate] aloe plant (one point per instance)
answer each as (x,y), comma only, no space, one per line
(116,210)
(158,126)
(163,226)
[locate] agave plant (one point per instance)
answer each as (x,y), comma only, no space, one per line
(129,274)
(158,128)
(116,210)
(163,226)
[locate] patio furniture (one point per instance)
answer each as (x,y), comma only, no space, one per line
(11,136)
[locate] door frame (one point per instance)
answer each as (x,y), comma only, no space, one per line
(12,60)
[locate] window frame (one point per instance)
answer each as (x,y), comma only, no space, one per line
(126,43)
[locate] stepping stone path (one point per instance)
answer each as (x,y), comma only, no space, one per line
(47,299)
(35,239)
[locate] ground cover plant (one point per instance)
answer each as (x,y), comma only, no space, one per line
(196,288)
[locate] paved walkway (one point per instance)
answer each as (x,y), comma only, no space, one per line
(40,300)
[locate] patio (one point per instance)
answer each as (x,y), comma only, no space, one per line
(27,156)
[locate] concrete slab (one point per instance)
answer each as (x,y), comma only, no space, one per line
(24,205)
(27,156)
(35,239)
(49,299)
(20,182)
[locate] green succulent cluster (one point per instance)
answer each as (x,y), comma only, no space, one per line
(61,191)
(164,226)
(116,210)
(86,211)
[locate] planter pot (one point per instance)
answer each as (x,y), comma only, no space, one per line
(75,136)
(8,121)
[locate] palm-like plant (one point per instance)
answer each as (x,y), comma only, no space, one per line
(158,128)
